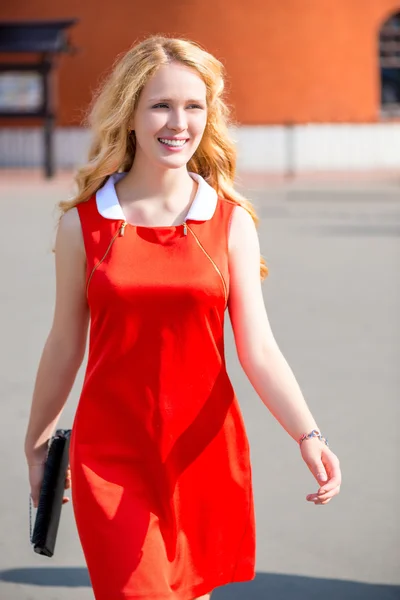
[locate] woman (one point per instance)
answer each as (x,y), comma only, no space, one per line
(154,248)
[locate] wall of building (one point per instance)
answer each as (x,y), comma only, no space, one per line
(297,61)
(260,149)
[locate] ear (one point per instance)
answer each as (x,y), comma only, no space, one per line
(131,124)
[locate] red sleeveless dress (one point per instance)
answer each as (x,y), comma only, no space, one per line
(161,476)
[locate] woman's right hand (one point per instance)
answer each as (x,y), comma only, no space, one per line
(36,473)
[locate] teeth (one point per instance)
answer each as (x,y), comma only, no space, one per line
(172,142)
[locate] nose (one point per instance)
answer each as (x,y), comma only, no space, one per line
(177,120)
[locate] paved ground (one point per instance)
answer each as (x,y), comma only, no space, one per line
(333,297)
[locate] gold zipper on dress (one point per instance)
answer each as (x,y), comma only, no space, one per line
(120,232)
(211,261)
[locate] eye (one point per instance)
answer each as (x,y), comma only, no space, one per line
(165,105)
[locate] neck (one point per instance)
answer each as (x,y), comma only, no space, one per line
(145,181)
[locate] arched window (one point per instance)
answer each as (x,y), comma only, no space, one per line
(389,53)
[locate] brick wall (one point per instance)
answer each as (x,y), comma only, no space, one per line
(294,61)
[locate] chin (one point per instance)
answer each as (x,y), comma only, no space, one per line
(173,162)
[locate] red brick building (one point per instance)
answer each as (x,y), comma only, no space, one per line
(297,61)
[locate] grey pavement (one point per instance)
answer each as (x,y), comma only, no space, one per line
(333,298)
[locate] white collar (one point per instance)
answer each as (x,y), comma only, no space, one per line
(202,208)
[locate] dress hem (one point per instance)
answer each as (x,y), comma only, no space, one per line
(189,593)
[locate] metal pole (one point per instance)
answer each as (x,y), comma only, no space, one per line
(49,167)
(49,120)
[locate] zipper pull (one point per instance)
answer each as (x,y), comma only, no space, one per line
(184,228)
(122,230)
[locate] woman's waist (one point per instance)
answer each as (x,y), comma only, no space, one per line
(154,381)
(149,414)
(140,402)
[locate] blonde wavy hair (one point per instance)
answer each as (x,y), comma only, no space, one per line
(113,147)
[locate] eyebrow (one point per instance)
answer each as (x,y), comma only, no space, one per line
(197,100)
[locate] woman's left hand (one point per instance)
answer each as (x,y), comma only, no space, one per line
(325,467)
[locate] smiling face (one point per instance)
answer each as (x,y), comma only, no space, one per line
(170,117)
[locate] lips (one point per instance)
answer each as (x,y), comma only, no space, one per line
(173,143)
(177,141)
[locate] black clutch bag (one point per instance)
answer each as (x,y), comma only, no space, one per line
(43,538)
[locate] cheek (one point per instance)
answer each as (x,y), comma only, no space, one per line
(198,125)
(150,124)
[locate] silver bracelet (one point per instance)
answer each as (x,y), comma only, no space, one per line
(313,433)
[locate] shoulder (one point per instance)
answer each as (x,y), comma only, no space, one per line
(70,223)
(242,232)
(238,213)
(69,232)
(230,211)
(70,219)
(82,216)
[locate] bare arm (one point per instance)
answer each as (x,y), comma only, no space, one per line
(263,361)
(258,352)
(65,346)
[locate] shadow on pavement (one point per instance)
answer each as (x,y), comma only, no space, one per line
(268,586)
(265,586)
(48,576)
